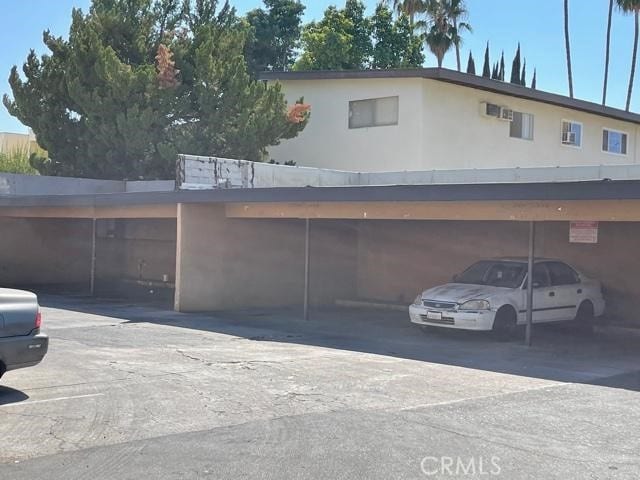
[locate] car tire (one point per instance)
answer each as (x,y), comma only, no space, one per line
(505,325)
(585,318)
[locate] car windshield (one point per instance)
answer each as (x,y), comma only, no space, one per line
(494,273)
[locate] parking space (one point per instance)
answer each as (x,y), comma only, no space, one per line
(129,390)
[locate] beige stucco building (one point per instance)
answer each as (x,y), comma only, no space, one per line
(10,142)
(440,119)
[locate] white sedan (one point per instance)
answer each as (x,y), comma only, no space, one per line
(492,295)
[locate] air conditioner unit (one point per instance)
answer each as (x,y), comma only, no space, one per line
(569,138)
(506,114)
(490,110)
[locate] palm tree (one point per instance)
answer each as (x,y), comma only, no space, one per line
(567,46)
(632,6)
(440,33)
(606,55)
(410,8)
(457,11)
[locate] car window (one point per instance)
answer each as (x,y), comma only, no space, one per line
(562,274)
(540,276)
(497,274)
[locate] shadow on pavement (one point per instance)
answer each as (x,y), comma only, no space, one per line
(11,395)
(558,353)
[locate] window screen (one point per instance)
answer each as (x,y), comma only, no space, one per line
(375,112)
(614,142)
(521,126)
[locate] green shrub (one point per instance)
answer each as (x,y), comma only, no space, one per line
(16,161)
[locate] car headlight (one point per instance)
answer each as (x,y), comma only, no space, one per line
(475,305)
(418,300)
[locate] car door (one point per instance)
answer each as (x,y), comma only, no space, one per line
(543,294)
(565,283)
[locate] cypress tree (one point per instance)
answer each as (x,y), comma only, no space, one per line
(515,67)
(533,81)
(471,65)
(486,69)
(523,78)
(501,71)
(495,75)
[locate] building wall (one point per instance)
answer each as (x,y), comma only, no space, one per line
(399,259)
(134,255)
(456,135)
(440,127)
(37,252)
(328,142)
(17,141)
(231,263)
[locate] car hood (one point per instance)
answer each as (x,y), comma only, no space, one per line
(461,292)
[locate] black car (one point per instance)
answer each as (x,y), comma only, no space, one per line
(21,343)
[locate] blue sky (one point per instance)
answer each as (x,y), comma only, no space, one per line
(538,26)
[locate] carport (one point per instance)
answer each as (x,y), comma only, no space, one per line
(311,246)
(404,233)
(76,246)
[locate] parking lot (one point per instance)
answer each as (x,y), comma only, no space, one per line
(129,391)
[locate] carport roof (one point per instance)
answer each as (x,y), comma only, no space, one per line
(596,190)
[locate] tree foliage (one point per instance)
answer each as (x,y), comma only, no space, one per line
(395,45)
(486,69)
(471,65)
(138,81)
(346,39)
(274,35)
(516,67)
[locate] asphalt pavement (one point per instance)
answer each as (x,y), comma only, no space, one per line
(129,392)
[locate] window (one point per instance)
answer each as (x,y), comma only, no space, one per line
(497,274)
(571,133)
(614,142)
(521,126)
(375,112)
(562,274)
(540,275)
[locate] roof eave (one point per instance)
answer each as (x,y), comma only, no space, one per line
(465,80)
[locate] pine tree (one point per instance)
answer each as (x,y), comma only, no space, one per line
(515,67)
(533,80)
(501,71)
(471,65)
(523,78)
(495,74)
(121,102)
(486,69)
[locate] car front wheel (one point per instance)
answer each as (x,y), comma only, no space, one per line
(505,325)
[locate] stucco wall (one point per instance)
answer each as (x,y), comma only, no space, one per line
(457,136)
(327,140)
(130,253)
(36,252)
(440,127)
(229,263)
(398,259)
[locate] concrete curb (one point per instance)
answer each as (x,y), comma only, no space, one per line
(396,307)
(618,331)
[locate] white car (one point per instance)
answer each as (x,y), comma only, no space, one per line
(492,295)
